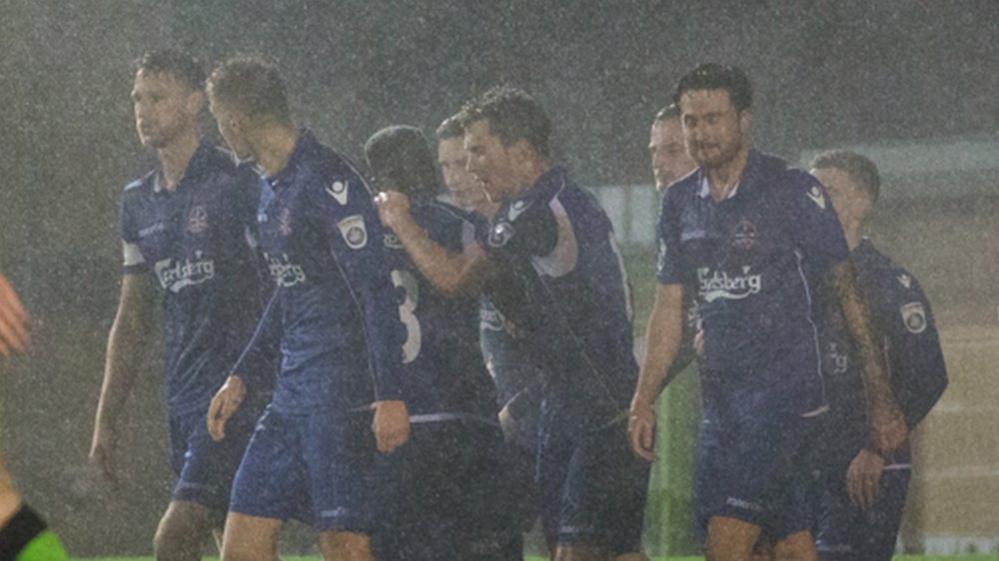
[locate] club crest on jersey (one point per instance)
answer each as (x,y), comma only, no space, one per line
(500,234)
(744,236)
(338,190)
(914,317)
(284,221)
(906,280)
(197,220)
(516,209)
(815,193)
(176,275)
(392,241)
(353,231)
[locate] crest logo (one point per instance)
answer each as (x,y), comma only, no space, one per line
(815,193)
(914,317)
(516,209)
(500,234)
(744,236)
(338,190)
(197,220)
(353,231)
(906,280)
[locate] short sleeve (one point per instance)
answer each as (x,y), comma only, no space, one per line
(132,260)
(815,229)
(524,227)
(668,255)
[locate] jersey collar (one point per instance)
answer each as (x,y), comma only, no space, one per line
(750,175)
(198,165)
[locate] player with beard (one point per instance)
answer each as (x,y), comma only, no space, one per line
(335,317)
(451,485)
(187,225)
(752,238)
(863,491)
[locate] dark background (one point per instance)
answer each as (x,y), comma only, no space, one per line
(825,73)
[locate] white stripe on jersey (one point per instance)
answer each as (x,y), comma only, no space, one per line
(562,260)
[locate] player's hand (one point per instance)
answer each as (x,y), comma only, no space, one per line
(103,454)
(390,425)
(863,478)
(224,405)
(888,428)
(642,429)
(15,324)
(393,208)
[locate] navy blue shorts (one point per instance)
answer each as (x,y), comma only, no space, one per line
(315,467)
(752,464)
(845,532)
(446,495)
(593,489)
(203,468)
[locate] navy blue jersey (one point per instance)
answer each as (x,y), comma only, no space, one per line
(196,240)
(901,314)
(334,308)
(753,260)
(445,371)
(562,281)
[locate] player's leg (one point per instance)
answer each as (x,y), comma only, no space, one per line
(250,538)
(181,532)
(730,539)
(799,546)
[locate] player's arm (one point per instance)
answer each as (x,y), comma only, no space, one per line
(355,240)
(15,329)
(126,347)
(662,342)
(450,272)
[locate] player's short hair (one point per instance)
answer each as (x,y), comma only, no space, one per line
(861,170)
(252,85)
(714,76)
(451,127)
(513,115)
(401,155)
(178,64)
(671,111)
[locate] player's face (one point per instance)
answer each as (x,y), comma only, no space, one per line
(670,160)
(490,161)
(230,128)
(848,200)
(164,108)
(713,129)
(465,189)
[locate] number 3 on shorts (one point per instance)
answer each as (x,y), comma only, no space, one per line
(405,281)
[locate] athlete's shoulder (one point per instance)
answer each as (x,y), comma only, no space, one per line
(885,272)
(685,187)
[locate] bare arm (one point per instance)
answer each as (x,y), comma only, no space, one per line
(662,337)
(126,346)
(451,273)
(887,423)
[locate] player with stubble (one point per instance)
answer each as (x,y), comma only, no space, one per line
(670,160)
(863,491)
(187,232)
(752,237)
(334,317)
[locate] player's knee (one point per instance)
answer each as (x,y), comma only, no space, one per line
(345,546)
(180,534)
(799,547)
(578,552)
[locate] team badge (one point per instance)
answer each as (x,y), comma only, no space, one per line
(353,231)
(392,241)
(284,221)
(516,209)
(500,234)
(815,193)
(338,190)
(914,317)
(906,280)
(745,234)
(197,220)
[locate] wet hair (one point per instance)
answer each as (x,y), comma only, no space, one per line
(512,115)
(178,64)
(401,155)
(253,86)
(714,76)
(451,127)
(861,170)
(671,111)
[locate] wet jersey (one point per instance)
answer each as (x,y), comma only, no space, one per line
(753,260)
(334,309)
(901,314)
(445,371)
(562,282)
(196,241)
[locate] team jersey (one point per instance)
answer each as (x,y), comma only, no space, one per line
(197,241)
(563,283)
(753,259)
(901,313)
(445,371)
(334,308)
